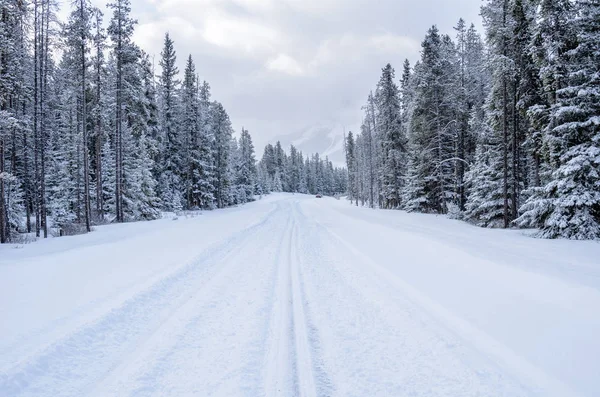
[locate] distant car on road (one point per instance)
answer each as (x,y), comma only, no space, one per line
(319,196)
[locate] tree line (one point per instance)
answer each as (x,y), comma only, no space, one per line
(500,131)
(91,134)
(279,171)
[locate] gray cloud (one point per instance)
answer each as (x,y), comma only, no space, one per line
(282,67)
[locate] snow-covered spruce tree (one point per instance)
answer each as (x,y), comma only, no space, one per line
(281,166)
(170,176)
(190,131)
(269,164)
(276,184)
(498,24)
(392,139)
(310,175)
(109,176)
(470,94)
(202,155)
(140,201)
(222,132)
(526,94)
(44,18)
(237,194)
(433,127)
(13,198)
(64,182)
(303,188)
(132,144)
(417,182)
(246,167)
(569,206)
(554,37)
(77,35)
(149,113)
(294,169)
(125,53)
(352,167)
(15,129)
(100,110)
(462,113)
(370,151)
(263,179)
(139,191)
(529,98)
(485,206)
(515,91)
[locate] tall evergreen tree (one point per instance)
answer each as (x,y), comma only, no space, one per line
(222,131)
(120,30)
(170,179)
(392,139)
(352,166)
(568,206)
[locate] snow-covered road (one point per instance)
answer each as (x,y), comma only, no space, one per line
(293,295)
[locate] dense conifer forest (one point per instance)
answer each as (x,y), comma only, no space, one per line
(501,130)
(91,133)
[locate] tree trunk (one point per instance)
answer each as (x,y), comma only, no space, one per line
(27,183)
(86,160)
(3,106)
(505,128)
(98,134)
(36,115)
(118,130)
(44,83)
(3,215)
(515,155)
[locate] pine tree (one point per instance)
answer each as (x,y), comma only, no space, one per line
(352,166)
(13,121)
(121,30)
(203,156)
(222,131)
(170,180)
(568,206)
(485,206)
(433,127)
(98,108)
(392,139)
(108,188)
(246,168)
(497,19)
(78,34)
(190,126)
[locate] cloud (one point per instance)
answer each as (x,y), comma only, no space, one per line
(285,64)
(391,43)
(282,66)
(239,34)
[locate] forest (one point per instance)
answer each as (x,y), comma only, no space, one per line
(501,131)
(90,133)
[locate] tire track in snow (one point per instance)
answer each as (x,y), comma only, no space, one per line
(279,367)
(92,351)
(518,367)
(149,367)
(322,379)
(290,368)
(306,385)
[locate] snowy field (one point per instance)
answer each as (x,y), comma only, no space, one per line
(293,295)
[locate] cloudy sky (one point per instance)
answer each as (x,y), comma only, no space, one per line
(284,66)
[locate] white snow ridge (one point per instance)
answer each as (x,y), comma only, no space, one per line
(297,296)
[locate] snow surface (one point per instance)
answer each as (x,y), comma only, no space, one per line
(293,295)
